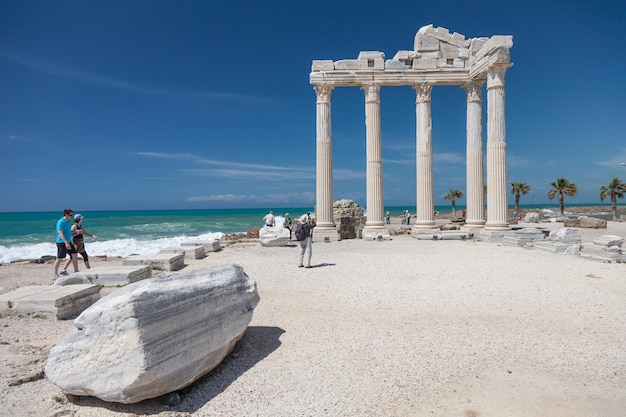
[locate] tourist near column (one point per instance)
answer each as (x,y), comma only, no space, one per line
(424,218)
(375,224)
(475,195)
(497,196)
(324,164)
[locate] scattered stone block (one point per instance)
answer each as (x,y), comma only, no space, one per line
(556,247)
(110,276)
(567,235)
(531,218)
(455,235)
(592,222)
(599,253)
(163,261)
(209,245)
(274,236)
(154,336)
(66,302)
(189,252)
(449,226)
(609,240)
(524,236)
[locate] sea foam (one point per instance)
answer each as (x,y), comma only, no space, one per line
(115,247)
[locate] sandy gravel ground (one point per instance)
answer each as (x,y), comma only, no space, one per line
(397,328)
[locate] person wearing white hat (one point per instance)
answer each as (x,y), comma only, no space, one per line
(79,242)
(306,246)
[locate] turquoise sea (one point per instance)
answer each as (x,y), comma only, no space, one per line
(121,233)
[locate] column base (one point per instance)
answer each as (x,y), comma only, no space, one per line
(475,223)
(497,226)
(425,224)
(325,234)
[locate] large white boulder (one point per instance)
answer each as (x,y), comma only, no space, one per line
(274,236)
(154,336)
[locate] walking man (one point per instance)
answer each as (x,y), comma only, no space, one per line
(64,242)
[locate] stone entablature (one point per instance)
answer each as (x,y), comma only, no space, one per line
(438,57)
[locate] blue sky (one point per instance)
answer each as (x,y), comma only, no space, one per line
(207,104)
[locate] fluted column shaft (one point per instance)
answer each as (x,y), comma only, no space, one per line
(496,150)
(323,159)
(374,153)
(425,217)
(475,195)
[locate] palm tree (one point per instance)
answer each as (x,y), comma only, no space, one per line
(454,194)
(518,188)
(562,186)
(615,190)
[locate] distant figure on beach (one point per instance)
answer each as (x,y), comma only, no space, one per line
(407,215)
(514,215)
(436,213)
(78,239)
(64,242)
(463,212)
(306,246)
(287,223)
(269,219)
(388,217)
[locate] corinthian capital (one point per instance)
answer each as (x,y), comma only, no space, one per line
(495,75)
(423,91)
(323,92)
(372,92)
(473,90)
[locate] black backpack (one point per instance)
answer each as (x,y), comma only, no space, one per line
(300,232)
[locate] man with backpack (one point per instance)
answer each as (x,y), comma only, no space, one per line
(304,236)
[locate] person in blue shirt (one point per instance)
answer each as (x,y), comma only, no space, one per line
(64,242)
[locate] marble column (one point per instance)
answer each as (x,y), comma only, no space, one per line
(497,196)
(475,195)
(374,172)
(324,165)
(425,216)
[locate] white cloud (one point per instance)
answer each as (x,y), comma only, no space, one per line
(448,158)
(92,78)
(282,198)
(235,170)
(616,159)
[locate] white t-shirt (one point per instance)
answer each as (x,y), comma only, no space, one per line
(269,219)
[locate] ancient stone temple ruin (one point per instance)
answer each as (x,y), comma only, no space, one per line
(438,58)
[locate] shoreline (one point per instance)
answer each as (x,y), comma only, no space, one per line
(119,246)
(401,327)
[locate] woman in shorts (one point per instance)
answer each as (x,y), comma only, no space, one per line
(78,241)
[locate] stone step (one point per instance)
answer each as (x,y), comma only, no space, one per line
(163,261)
(66,302)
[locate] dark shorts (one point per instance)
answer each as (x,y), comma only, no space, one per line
(79,245)
(62,251)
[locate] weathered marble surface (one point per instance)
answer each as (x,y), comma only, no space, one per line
(65,302)
(154,336)
(274,236)
(609,240)
(565,235)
